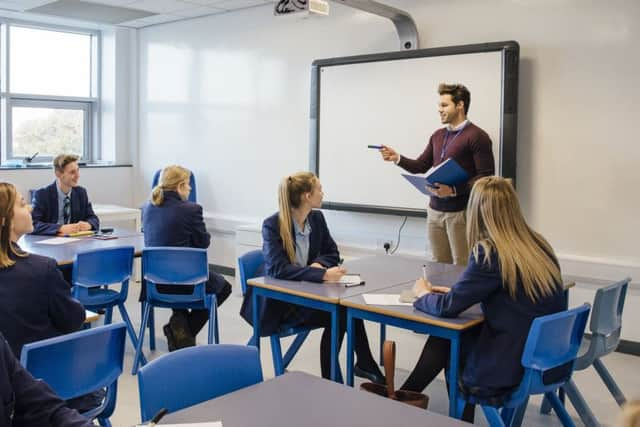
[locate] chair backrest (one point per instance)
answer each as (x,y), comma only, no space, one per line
(249,264)
(195,374)
(102,267)
(553,342)
(79,363)
(175,266)
(193,196)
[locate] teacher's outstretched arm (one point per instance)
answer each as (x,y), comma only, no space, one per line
(389,154)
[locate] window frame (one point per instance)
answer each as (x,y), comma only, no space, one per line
(90,105)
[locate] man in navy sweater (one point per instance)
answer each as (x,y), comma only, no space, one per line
(63,207)
(470,147)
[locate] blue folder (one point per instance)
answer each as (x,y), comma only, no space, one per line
(448,172)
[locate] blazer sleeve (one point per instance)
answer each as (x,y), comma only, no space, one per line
(474,286)
(277,263)
(35,403)
(200,237)
(329,256)
(420,165)
(90,216)
(41,207)
(65,312)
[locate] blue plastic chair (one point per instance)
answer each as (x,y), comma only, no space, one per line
(249,264)
(181,267)
(94,271)
(80,363)
(605,327)
(193,196)
(553,342)
(192,375)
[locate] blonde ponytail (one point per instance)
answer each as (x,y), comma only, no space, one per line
(290,194)
(8,196)
(170,178)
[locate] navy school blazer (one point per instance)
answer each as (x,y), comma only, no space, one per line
(36,302)
(493,363)
(27,402)
(322,249)
(45,209)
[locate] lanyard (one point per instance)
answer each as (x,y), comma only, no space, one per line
(446,140)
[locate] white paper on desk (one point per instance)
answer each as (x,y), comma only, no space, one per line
(56,241)
(209,424)
(384,299)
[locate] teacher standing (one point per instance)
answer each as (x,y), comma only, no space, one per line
(470,147)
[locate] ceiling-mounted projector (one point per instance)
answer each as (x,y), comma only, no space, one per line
(301,8)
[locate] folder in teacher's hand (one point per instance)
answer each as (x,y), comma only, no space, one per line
(448,172)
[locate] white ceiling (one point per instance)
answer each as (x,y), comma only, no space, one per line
(164,10)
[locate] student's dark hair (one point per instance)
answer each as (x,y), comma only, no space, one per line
(290,193)
(62,160)
(8,196)
(458,93)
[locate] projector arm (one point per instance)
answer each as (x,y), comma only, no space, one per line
(406,28)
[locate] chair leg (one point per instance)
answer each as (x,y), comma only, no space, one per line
(383,337)
(213,337)
(492,415)
(276,354)
(518,414)
(143,327)
(130,331)
(609,382)
(580,405)
(108,315)
(293,348)
(460,403)
(104,422)
(545,408)
(559,409)
(507,415)
(152,330)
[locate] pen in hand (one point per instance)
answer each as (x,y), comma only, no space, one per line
(424,271)
(157,417)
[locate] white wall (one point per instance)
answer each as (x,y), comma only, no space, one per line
(228,97)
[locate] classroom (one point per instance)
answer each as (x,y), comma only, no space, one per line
(230,90)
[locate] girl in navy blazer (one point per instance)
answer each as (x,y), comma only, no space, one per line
(513,273)
(297,245)
(169,219)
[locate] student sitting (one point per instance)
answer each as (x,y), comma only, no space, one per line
(35,301)
(514,274)
(297,245)
(170,220)
(27,402)
(63,207)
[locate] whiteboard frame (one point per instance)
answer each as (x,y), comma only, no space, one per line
(508,122)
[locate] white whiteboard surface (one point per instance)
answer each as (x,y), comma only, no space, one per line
(395,103)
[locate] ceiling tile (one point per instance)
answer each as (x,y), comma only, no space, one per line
(160,6)
(198,11)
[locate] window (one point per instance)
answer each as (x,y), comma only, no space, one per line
(49,97)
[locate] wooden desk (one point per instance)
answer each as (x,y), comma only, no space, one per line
(378,272)
(297,399)
(64,254)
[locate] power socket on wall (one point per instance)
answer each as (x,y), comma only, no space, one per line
(384,244)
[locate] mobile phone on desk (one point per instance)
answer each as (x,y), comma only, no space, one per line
(106,230)
(351,285)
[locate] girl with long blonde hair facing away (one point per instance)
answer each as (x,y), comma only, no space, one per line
(515,276)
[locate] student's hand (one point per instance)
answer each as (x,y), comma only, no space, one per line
(333,274)
(84,226)
(68,229)
(442,190)
(422,287)
(316,265)
(389,154)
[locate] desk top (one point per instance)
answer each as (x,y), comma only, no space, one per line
(64,254)
(378,272)
(297,399)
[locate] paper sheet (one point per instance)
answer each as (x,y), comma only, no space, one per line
(208,424)
(348,279)
(56,241)
(384,299)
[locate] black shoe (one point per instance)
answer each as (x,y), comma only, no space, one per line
(171,342)
(375,377)
(180,330)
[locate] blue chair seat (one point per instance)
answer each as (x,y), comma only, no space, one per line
(96,298)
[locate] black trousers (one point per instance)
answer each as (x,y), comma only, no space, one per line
(312,318)
(435,358)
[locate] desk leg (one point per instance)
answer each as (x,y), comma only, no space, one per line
(256,320)
(334,343)
(349,348)
(453,374)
